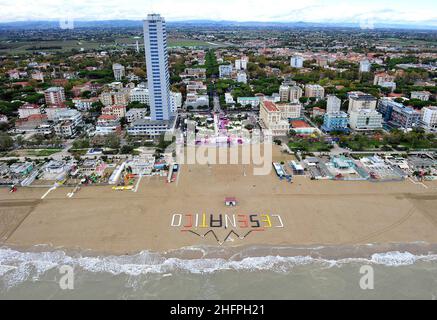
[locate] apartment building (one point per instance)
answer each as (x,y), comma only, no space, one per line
(195,100)
(296,93)
(333,104)
(54,96)
(140,95)
(245,101)
(108,124)
(284,93)
(118,111)
(404,117)
(314,91)
(84,104)
(28,109)
(135,114)
(194,73)
(176,101)
(148,127)
(429,118)
(296,62)
(225,71)
(241,64)
(290,111)
(359,101)
(229,99)
(119,71)
(365,66)
(118,98)
(242,77)
(420,95)
(51,111)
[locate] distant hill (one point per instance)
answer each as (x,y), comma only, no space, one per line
(77,24)
(210,23)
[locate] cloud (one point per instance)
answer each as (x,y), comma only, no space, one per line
(402,11)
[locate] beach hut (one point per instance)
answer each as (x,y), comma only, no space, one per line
(231,202)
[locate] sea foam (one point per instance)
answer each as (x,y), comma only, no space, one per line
(17,266)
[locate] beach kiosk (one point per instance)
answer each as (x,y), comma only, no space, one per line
(231,202)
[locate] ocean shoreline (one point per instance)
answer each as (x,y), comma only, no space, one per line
(241,252)
(213,273)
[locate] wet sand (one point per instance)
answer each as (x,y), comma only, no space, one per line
(313,212)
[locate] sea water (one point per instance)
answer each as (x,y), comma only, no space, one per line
(260,272)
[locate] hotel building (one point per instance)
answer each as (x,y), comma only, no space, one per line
(271,118)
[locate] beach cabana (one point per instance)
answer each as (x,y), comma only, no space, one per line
(231,202)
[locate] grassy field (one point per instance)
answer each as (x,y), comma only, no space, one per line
(411,42)
(47,46)
(188,43)
(172,42)
(304,145)
(21,47)
(42,152)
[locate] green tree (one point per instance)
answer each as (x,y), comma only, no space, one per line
(163,144)
(4,126)
(127,150)
(303,100)
(211,64)
(96,107)
(86,94)
(112,141)
(6,142)
(81,144)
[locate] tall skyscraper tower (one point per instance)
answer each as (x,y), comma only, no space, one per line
(155,42)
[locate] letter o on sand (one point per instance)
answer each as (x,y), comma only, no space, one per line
(176,217)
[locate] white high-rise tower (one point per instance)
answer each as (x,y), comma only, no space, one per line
(155,43)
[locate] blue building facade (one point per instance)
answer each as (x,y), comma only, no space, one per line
(397,115)
(405,117)
(155,41)
(338,121)
(385,107)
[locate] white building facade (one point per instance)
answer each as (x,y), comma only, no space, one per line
(429,117)
(119,71)
(314,91)
(296,62)
(242,77)
(365,66)
(225,71)
(333,104)
(365,120)
(140,95)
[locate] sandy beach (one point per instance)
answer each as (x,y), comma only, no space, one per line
(311,212)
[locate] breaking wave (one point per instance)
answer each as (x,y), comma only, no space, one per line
(17,266)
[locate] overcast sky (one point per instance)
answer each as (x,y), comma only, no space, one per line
(388,11)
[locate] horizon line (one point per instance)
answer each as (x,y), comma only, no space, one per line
(429,24)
